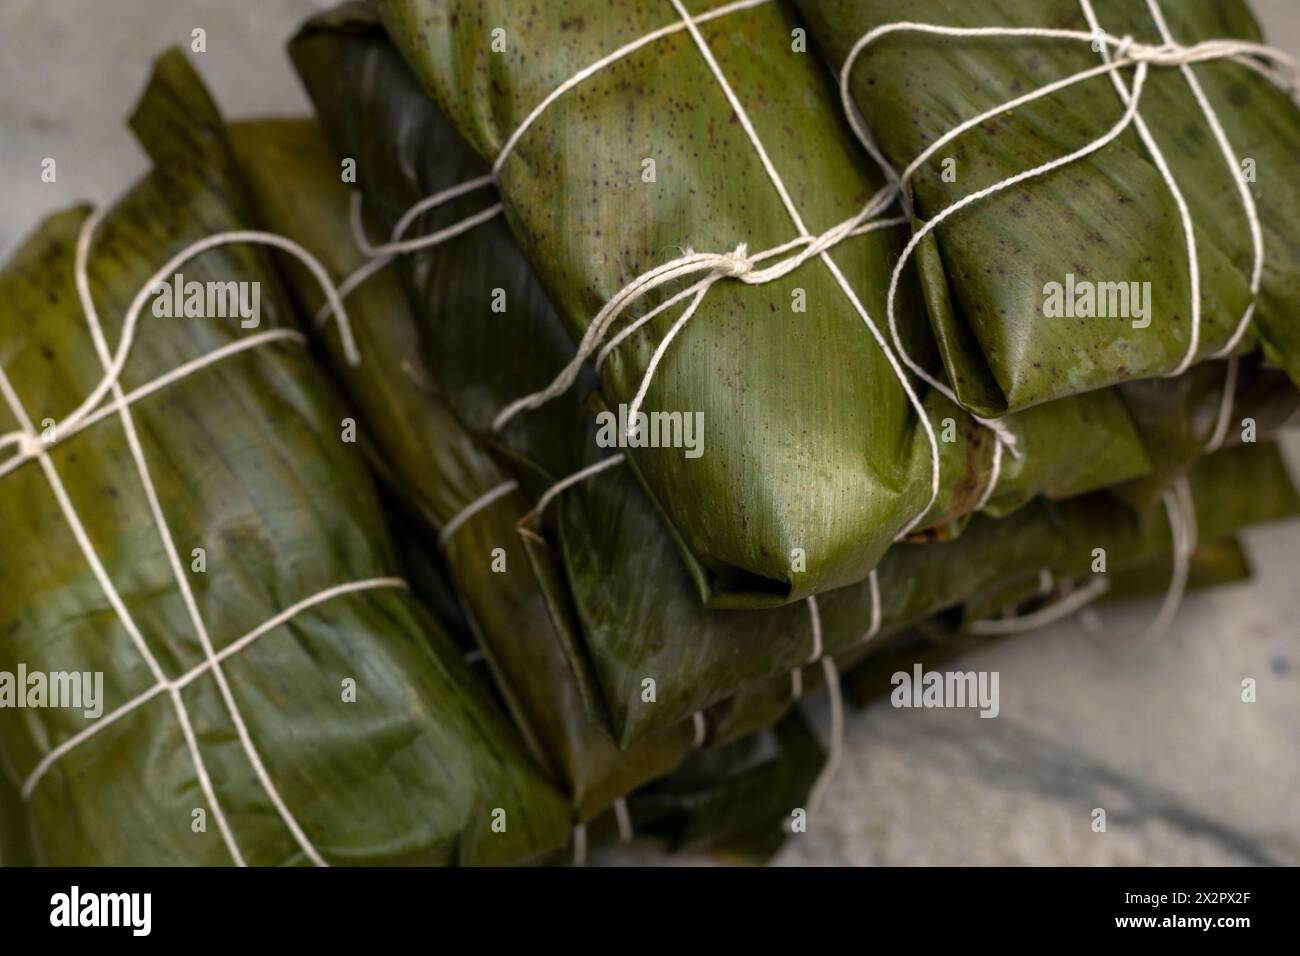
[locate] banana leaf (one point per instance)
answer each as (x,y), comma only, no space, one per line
(1108,217)
(246,458)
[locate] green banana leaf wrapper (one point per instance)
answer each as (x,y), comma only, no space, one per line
(628,590)
(247,461)
(1108,217)
(822,456)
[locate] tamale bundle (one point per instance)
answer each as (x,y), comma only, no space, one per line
(213,550)
(1082,276)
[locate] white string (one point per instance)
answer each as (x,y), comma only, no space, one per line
(832,676)
(349,285)
(662,347)
(580,844)
(82,282)
(624,820)
(473,508)
(836,748)
(107,410)
(739,264)
(995,475)
(815,617)
(564,483)
(605,61)
(1234,170)
(1182,526)
(194,673)
(400,247)
(700,728)
(124,616)
(934,222)
(815,620)
(408,217)
(873,585)
(1225,407)
(1072,602)
(662,307)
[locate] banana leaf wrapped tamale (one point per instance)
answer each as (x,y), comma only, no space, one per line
(1108,221)
(631,616)
(270,691)
(830,465)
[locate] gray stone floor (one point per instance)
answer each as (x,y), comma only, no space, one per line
(1157,735)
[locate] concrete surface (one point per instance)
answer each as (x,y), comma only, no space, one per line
(1158,735)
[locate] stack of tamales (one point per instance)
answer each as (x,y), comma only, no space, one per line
(354,602)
